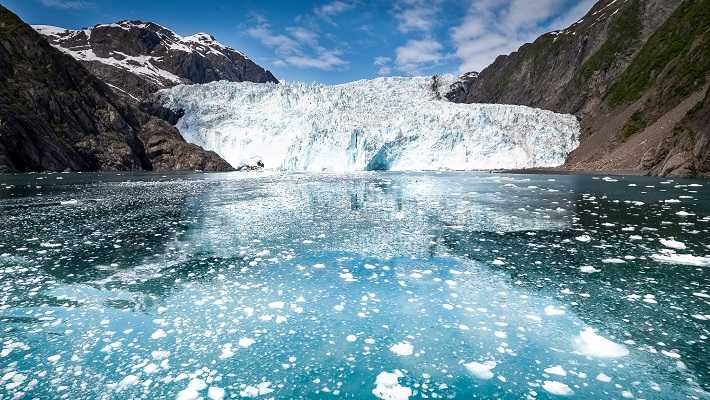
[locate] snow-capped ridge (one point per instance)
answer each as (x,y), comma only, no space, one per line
(392,123)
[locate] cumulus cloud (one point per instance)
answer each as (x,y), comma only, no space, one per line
(417,53)
(494,27)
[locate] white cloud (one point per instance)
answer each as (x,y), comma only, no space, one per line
(495,27)
(384,65)
(418,53)
(68,4)
(298,47)
(332,9)
(416,15)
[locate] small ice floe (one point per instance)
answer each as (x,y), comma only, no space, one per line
(128,380)
(588,269)
(673,244)
(54,358)
(613,261)
(193,389)
(681,259)
(684,214)
(246,342)
(158,334)
(482,370)
(351,338)
(215,393)
(387,386)
(227,351)
(69,202)
(590,344)
(402,349)
(256,391)
(276,305)
(556,370)
(552,311)
(602,377)
(557,388)
(583,238)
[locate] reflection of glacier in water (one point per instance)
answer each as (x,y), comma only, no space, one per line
(386,286)
(395,124)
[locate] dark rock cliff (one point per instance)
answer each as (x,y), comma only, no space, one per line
(631,70)
(55,115)
(138,58)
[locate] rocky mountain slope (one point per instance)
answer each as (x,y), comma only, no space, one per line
(138,58)
(633,71)
(55,115)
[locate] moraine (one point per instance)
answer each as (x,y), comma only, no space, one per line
(367,285)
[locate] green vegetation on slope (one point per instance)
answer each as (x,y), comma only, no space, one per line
(624,32)
(634,125)
(680,50)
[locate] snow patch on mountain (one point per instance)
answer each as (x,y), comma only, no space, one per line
(380,124)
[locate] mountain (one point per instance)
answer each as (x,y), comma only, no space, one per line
(138,58)
(380,124)
(55,115)
(633,71)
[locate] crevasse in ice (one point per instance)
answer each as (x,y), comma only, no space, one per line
(380,124)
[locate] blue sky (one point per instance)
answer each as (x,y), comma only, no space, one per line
(336,41)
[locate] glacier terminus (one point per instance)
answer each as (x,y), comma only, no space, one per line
(393,124)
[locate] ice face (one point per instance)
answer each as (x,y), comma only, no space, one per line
(370,285)
(381,124)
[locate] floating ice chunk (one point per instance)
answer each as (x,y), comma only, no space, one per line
(256,391)
(557,388)
(588,269)
(387,386)
(682,259)
(54,358)
(703,295)
(160,354)
(192,391)
(69,202)
(246,342)
(671,354)
(481,370)
(590,344)
(684,214)
(602,377)
(347,277)
(339,307)
(158,334)
(672,244)
(556,370)
(227,351)
(351,338)
(553,311)
(402,349)
(215,393)
(276,305)
(583,238)
(613,261)
(128,380)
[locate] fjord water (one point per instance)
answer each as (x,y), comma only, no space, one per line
(373,285)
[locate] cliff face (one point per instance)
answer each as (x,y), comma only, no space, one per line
(55,115)
(138,58)
(631,70)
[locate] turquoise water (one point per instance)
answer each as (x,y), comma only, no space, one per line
(377,285)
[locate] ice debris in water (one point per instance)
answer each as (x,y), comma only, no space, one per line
(387,386)
(379,124)
(402,349)
(590,344)
(557,388)
(481,370)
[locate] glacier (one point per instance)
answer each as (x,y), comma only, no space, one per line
(394,123)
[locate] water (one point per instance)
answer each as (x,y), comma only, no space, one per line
(416,285)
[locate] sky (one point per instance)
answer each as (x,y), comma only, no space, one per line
(336,41)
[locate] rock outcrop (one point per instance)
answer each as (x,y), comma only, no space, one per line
(633,71)
(55,115)
(138,58)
